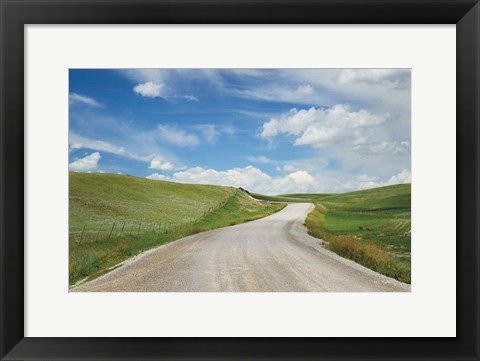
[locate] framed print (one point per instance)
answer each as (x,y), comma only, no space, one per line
(239,180)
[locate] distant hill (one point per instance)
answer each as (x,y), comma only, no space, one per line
(388,197)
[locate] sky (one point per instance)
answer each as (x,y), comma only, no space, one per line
(270,131)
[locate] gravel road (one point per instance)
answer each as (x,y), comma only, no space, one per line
(272,254)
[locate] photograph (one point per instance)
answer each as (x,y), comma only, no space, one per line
(239,180)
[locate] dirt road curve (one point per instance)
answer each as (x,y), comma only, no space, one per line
(273,254)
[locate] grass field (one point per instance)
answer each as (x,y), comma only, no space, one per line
(371,227)
(114,217)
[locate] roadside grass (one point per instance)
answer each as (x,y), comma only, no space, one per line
(370,227)
(115,217)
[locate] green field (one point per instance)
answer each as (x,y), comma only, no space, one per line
(371,227)
(114,217)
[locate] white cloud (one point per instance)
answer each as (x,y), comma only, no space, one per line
(238,177)
(87,163)
(365,181)
(403,177)
(76,141)
(294,123)
(191,98)
(288,168)
(305,90)
(161,164)
(149,89)
(250,178)
(228,129)
(176,136)
(326,86)
(300,181)
(275,92)
(145,75)
(75,98)
(397,76)
(393,147)
(302,177)
(156,160)
(323,127)
(260,159)
(209,132)
(366,178)
(157,176)
(171,80)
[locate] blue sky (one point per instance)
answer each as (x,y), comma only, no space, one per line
(272,131)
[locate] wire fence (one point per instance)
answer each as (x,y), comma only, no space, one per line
(114,229)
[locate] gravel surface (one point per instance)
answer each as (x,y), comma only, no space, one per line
(272,254)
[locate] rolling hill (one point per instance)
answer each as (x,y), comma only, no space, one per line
(114,217)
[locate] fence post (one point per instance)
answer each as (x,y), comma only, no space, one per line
(81,236)
(96,237)
(121,232)
(139,225)
(131,229)
(113,225)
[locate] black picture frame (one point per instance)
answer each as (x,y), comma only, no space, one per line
(15,14)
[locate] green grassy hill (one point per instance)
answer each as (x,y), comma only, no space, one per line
(114,217)
(376,197)
(371,227)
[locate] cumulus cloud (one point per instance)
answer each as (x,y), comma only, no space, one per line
(157,176)
(149,89)
(403,177)
(149,80)
(176,136)
(160,164)
(250,178)
(301,177)
(87,163)
(75,98)
(321,127)
(365,181)
(246,177)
